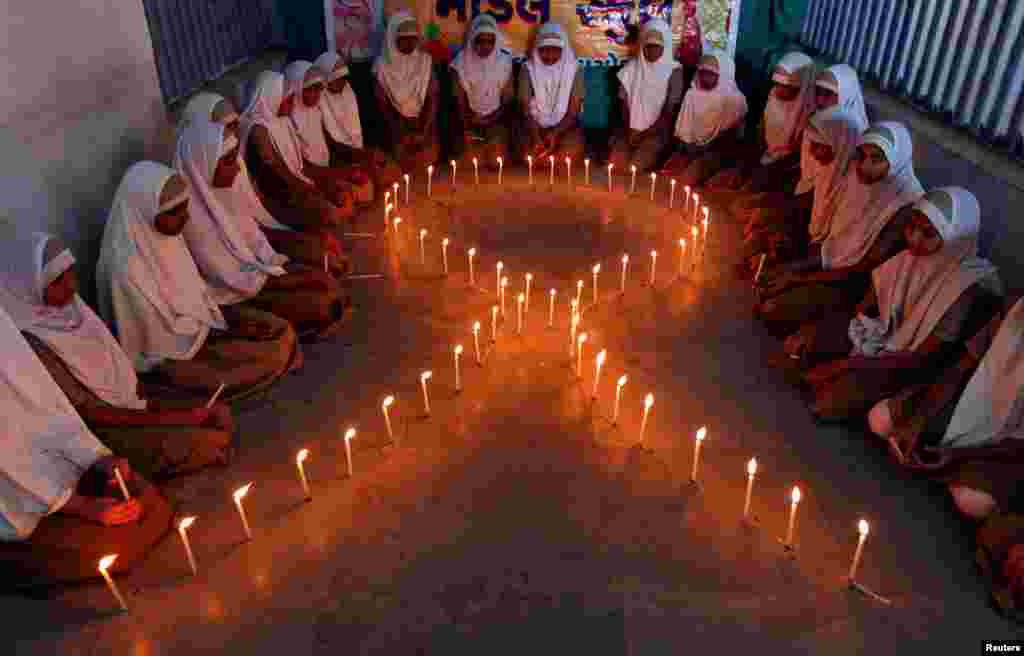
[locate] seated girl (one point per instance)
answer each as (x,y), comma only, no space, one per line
(242,199)
(650,93)
(39,290)
(709,124)
(871,213)
(306,83)
(160,309)
(551,97)
(772,163)
(484,89)
(408,95)
(274,158)
(234,257)
(912,319)
(61,509)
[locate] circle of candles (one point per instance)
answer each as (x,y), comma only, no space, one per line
(862,529)
(618,397)
(238,495)
(648,402)
(183,527)
(519,320)
(682,254)
(551,161)
(494,323)
(632,184)
(701,435)
(471,254)
(430,178)
(424,377)
(597,374)
(568,171)
(504,284)
(423,252)
(120,483)
(625,264)
(529,163)
(596,270)
(385,407)
(751,471)
(104,565)
(610,166)
(579,292)
(579,354)
(654,182)
(476,342)
(529,280)
(497,279)
(586,171)
(476,172)
(794,500)
(406,178)
(349,434)
(654,265)
(300,458)
(394,188)
(501,168)
(672,193)
(458,377)
(551,308)
(444,254)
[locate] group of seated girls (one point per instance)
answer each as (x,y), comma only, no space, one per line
(889,315)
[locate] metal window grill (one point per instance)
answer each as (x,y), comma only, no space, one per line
(961,59)
(195,41)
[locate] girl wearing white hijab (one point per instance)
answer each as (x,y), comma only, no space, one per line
(150,292)
(407,94)
(916,314)
(273,156)
(38,289)
(869,217)
(773,163)
(551,94)
(232,253)
(651,88)
(484,89)
(709,123)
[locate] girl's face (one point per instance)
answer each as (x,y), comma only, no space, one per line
(653,52)
(823,153)
(483,45)
(173,221)
(785,92)
(550,54)
(825,98)
(62,291)
(407,44)
(311,94)
(872,166)
(287,105)
(227,169)
(707,80)
(922,237)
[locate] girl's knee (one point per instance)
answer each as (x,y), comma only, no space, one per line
(973,503)
(880,419)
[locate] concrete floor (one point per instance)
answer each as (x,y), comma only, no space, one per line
(516,517)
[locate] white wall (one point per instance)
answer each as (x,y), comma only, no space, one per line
(81,103)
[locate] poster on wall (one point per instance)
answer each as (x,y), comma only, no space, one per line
(597,29)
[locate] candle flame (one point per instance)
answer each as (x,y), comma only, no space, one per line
(445,241)
(795,495)
(752,467)
(862,527)
(694,231)
(648,401)
(696,198)
(568,159)
(388,401)
(504,281)
(397,220)
(653,176)
(406,176)
(430,169)
(522,297)
(682,243)
(551,158)
(476,326)
(529,158)
(458,349)
(453,163)
(654,254)
(241,492)
(673,182)
(423,233)
(494,309)
(610,166)
(632,167)
(185,523)
(586,160)
(686,188)
(301,456)
(702,433)
(500,162)
(501,265)
(579,283)
(625,259)
(552,292)
(349,434)
(390,206)
(472,252)
(597,268)
(582,338)
(426,375)
(474,161)
(529,276)
(706,211)
(107,561)
(395,187)
(622,380)
(601,357)
(387,196)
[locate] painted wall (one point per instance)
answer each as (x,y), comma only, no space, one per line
(81,103)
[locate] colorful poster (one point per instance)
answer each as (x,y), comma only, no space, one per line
(353,27)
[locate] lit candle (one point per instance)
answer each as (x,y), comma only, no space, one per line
(471,254)
(597,374)
(760,267)
(551,161)
(424,377)
(120,483)
(696,205)
(519,320)
(387,199)
(579,354)
(406,178)
(444,254)
(618,398)
(501,167)
(586,171)
(751,472)
(625,265)
(682,254)
(388,207)
(458,377)
(476,172)
(672,193)
(423,250)
(394,188)
(349,434)
(300,458)
(183,527)
(654,183)
(385,407)
(476,342)
(862,528)
(504,284)
(648,402)
(551,308)
(701,434)
(596,270)
(529,163)
(795,497)
(497,279)
(395,224)
(568,171)
(654,265)
(579,292)
(529,280)
(694,233)
(494,323)
(105,564)
(238,495)
(632,184)
(454,168)
(610,178)
(574,321)
(430,178)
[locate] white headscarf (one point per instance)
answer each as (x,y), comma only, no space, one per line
(483,79)
(262,110)
(148,286)
(405,78)
(201,106)
(340,111)
(46,446)
(231,251)
(307,122)
(914,293)
(647,82)
(784,122)
(552,85)
(863,211)
(28,264)
(992,403)
(842,132)
(706,114)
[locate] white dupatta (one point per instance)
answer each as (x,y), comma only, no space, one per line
(306,121)
(552,85)
(784,121)
(262,110)
(483,79)
(405,78)
(707,114)
(340,111)
(646,83)
(841,132)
